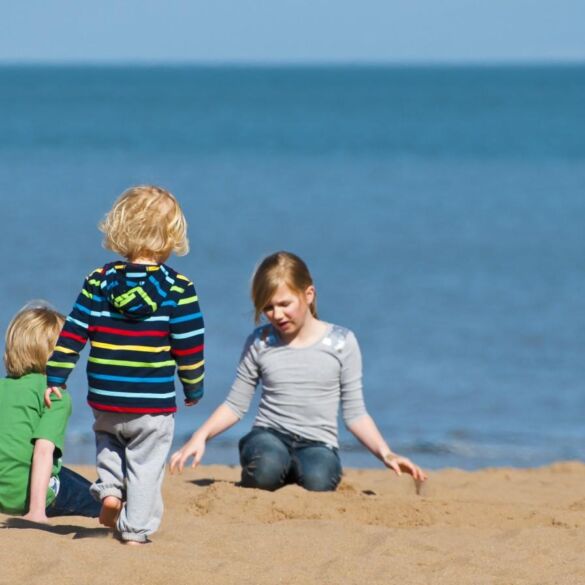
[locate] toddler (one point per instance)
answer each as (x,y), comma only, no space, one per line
(142,319)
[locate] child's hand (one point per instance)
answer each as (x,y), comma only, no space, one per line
(52,390)
(399,464)
(194,447)
(39,517)
(191,402)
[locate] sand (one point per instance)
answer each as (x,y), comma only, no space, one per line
(495,526)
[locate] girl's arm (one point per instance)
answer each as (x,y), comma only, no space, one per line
(366,431)
(40,474)
(222,419)
(358,421)
(227,414)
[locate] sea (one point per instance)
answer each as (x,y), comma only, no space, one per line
(440,209)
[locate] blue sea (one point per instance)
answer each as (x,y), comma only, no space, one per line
(441,211)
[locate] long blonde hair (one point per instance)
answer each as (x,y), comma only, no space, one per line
(280,267)
(146,221)
(30,339)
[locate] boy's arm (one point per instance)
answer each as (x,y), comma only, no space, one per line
(72,338)
(40,474)
(187,335)
(49,437)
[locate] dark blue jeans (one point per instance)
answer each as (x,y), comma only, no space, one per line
(271,459)
(73,498)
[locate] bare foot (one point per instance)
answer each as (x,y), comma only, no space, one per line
(134,542)
(111,507)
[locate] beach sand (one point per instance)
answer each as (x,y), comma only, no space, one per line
(495,526)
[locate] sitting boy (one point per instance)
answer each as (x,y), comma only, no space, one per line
(32,435)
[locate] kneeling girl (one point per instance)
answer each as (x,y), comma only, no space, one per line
(307,368)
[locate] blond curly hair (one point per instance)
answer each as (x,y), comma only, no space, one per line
(146,221)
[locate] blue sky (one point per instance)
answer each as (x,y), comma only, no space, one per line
(276,31)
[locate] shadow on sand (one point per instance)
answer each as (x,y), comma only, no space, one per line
(206,482)
(63,529)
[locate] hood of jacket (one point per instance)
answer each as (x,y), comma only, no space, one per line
(136,290)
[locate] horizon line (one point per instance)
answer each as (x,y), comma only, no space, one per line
(251,63)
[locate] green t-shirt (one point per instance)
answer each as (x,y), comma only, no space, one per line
(23,419)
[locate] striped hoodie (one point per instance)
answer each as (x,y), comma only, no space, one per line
(142,321)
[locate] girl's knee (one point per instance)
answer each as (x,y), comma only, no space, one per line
(320,481)
(318,469)
(265,460)
(265,472)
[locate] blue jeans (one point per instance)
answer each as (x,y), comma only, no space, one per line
(271,459)
(73,498)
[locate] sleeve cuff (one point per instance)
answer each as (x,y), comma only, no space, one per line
(194,394)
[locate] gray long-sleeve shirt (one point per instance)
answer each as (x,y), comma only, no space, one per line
(301,387)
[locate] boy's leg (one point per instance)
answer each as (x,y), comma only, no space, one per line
(317,467)
(149,441)
(265,460)
(73,498)
(109,489)
(110,456)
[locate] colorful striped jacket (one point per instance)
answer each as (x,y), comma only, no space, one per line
(142,321)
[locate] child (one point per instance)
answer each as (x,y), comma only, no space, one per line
(307,368)
(31,437)
(142,319)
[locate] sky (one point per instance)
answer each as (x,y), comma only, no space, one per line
(290,31)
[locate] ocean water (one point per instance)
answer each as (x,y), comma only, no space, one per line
(441,211)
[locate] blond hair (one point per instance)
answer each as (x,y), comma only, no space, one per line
(274,270)
(30,339)
(146,221)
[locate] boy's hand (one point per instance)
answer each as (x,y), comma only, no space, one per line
(52,390)
(39,518)
(189,402)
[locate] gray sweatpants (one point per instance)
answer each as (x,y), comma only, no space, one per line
(131,453)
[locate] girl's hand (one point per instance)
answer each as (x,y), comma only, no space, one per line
(52,390)
(400,464)
(194,447)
